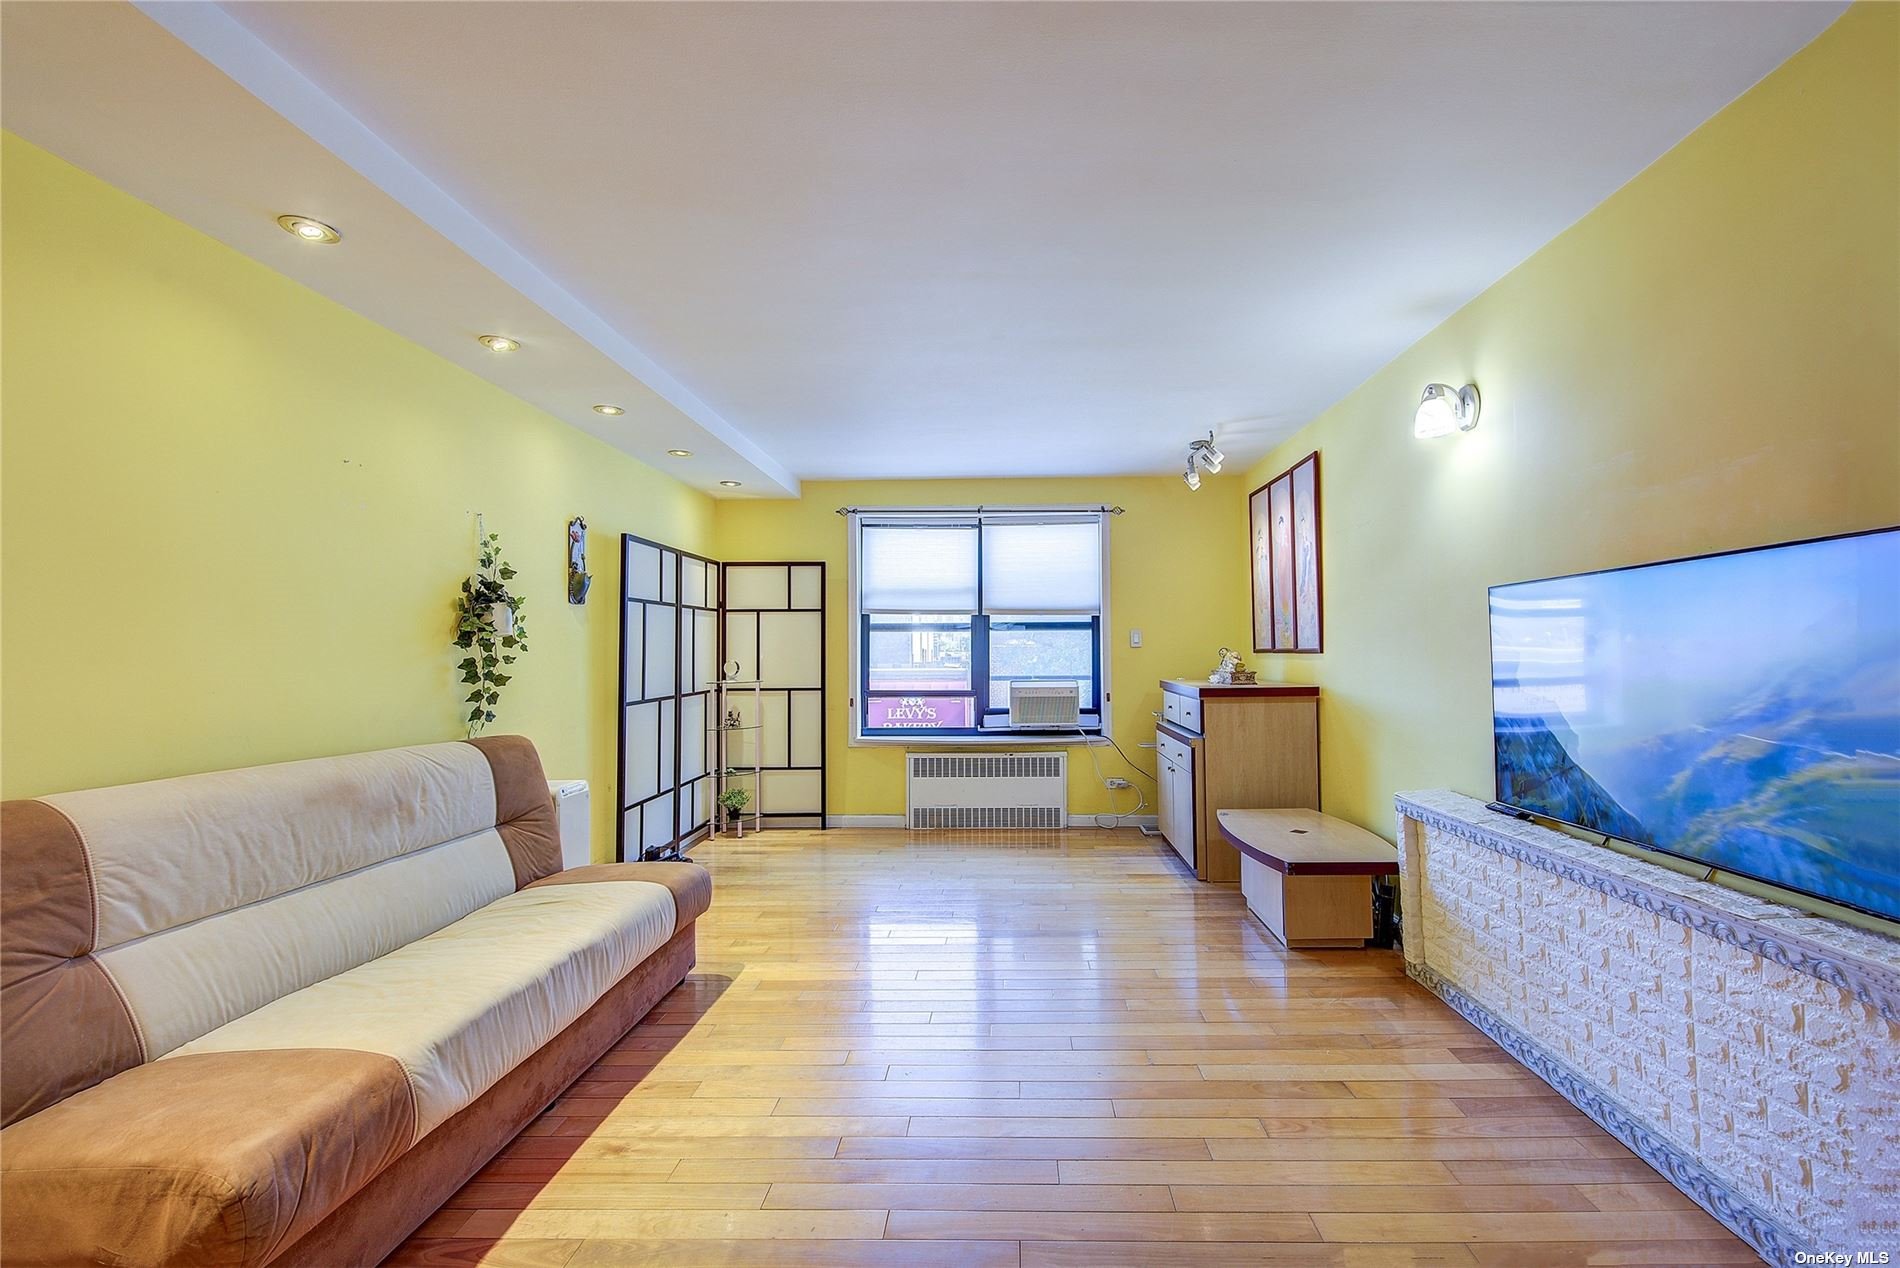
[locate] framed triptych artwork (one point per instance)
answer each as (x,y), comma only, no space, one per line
(1283,536)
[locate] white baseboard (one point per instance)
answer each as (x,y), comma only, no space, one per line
(897,821)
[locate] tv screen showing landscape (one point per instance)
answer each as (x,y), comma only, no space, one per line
(1740,710)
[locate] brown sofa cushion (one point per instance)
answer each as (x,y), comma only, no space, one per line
(63,1025)
(524,809)
(691,884)
(218,1159)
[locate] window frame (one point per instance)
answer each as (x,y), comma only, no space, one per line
(1095,711)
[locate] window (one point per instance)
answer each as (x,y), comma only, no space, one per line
(951,608)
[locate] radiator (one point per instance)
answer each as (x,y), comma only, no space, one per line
(987,790)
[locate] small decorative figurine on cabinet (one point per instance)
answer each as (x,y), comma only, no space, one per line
(578,578)
(1230,671)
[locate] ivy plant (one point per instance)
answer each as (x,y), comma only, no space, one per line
(493,642)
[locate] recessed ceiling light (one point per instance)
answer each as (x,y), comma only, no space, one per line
(304,229)
(611,411)
(728,484)
(679,453)
(498,343)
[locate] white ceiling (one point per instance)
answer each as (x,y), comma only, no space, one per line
(898,240)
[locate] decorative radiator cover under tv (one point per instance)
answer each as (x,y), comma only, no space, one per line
(987,790)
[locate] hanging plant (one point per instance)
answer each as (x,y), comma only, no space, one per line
(488,624)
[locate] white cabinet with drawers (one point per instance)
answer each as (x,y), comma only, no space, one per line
(1175,781)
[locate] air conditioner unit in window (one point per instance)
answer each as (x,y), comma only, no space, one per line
(1049,706)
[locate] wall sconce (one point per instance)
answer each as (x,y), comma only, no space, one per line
(1443,409)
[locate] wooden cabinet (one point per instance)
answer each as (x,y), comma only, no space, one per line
(1231,748)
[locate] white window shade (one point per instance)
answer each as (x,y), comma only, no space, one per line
(917,568)
(1045,568)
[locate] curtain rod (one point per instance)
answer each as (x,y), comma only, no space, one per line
(978,510)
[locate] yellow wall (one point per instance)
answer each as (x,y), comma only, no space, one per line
(1173,559)
(235,514)
(1708,360)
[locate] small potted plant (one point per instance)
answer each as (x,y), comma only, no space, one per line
(733,801)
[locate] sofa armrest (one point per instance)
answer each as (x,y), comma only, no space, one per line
(690,883)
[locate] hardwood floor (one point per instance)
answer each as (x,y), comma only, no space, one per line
(1024,1049)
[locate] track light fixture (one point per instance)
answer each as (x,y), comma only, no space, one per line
(1202,456)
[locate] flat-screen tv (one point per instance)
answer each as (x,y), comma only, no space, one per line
(1741,710)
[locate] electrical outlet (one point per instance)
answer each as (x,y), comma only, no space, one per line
(1116,784)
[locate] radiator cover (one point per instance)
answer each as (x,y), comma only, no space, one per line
(987,790)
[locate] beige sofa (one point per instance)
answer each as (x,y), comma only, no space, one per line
(279,1015)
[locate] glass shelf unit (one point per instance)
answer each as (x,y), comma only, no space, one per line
(729,765)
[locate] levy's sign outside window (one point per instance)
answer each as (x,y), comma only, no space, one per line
(921,713)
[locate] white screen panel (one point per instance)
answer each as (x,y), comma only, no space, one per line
(808,723)
(774,747)
(668,714)
(791,791)
(705,650)
(641,778)
(808,586)
(693,588)
(692,737)
(1053,568)
(791,649)
(756,586)
(695,805)
(656,825)
(917,568)
(659,650)
(742,644)
(636,650)
(642,564)
(669,575)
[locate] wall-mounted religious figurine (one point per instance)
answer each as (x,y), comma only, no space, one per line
(1283,531)
(578,578)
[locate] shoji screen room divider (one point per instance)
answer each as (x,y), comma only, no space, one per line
(671,654)
(774,626)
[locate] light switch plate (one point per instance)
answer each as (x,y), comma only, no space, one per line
(1134,638)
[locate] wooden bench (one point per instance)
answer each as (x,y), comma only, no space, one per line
(1308,876)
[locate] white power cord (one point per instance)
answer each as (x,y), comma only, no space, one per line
(1115,819)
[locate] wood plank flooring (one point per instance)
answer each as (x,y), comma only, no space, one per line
(1035,1050)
